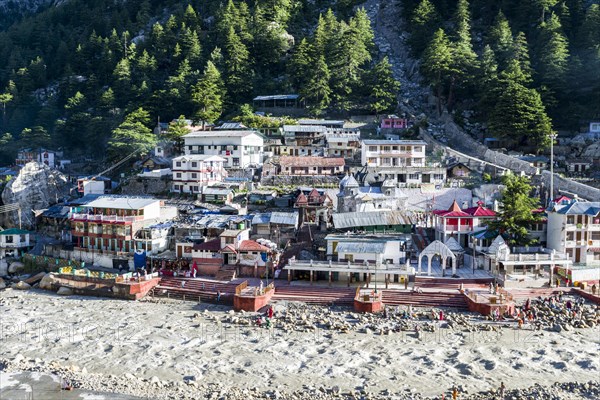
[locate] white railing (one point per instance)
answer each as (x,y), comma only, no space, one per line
(106,218)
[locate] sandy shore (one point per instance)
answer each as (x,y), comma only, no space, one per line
(173,340)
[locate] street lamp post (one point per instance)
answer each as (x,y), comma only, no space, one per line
(552,137)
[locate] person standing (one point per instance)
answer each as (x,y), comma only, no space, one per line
(501,390)
(454,393)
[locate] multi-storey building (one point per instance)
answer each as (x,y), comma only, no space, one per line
(192,172)
(574,228)
(342,144)
(13,241)
(311,165)
(43,156)
(461,223)
(109,226)
(239,148)
(401,160)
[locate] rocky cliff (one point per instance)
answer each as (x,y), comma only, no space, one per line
(36,187)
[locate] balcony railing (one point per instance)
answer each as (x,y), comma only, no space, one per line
(106,218)
(13,245)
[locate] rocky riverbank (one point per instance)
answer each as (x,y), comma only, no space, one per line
(177,350)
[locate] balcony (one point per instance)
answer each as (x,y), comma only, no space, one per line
(13,245)
(456,228)
(106,218)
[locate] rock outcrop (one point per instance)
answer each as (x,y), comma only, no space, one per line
(36,187)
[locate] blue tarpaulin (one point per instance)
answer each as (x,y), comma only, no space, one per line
(139,260)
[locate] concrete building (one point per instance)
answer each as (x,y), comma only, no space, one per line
(13,242)
(342,143)
(574,229)
(402,160)
(239,148)
(354,198)
(311,165)
(107,228)
(192,172)
(461,223)
(43,156)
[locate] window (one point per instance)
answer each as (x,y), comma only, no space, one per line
(223,148)
(571,219)
(229,240)
(418,149)
(194,188)
(595,235)
(194,175)
(235,147)
(190,148)
(236,161)
(175,187)
(372,148)
(395,148)
(413,176)
(9,239)
(438,177)
(194,164)
(178,164)
(386,148)
(178,175)
(570,235)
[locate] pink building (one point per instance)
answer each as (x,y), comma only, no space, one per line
(394,123)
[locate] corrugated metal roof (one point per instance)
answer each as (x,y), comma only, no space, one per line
(277,97)
(309,121)
(262,218)
(216,191)
(371,218)
(581,208)
(304,128)
(361,247)
(122,202)
(284,218)
(395,142)
(221,133)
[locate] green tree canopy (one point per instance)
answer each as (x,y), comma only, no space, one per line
(208,95)
(132,136)
(516,214)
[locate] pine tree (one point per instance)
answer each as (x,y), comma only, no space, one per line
(132,136)
(424,21)
(177,129)
(384,88)
(488,77)
(501,39)
(520,53)
(553,59)
(437,64)
(464,59)
(208,95)
(316,92)
(519,114)
(237,66)
(301,62)
(516,211)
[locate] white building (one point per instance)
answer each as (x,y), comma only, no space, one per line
(239,148)
(191,172)
(13,242)
(354,198)
(401,160)
(574,228)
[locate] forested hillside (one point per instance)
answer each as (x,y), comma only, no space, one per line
(526,67)
(92,77)
(87,76)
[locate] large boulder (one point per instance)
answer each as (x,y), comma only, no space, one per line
(49,282)
(21,286)
(2,284)
(64,291)
(36,187)
(16,267)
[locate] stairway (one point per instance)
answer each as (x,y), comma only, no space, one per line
(425,299)
(194,290)
(226,273)
(315,295)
